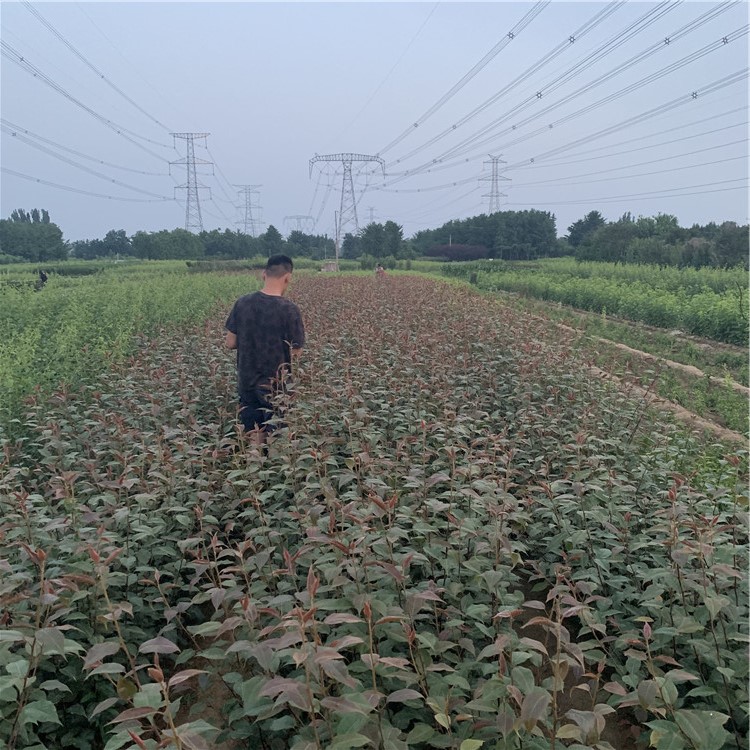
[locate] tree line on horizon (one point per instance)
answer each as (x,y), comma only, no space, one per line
(507,235)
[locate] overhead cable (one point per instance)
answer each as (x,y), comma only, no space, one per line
(20,60)
(488,134)
(575,36)
(507,39)
(82,167)
(28,133)
(83,192)
(90,65)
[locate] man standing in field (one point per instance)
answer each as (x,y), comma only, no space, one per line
(267,332)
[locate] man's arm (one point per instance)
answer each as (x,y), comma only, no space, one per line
(230,340)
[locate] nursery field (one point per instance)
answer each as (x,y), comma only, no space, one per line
(463,540)
(707,302)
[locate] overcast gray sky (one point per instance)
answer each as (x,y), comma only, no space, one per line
(621,106)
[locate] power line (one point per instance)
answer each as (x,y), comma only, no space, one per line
(648,195)
(101,176)
(504,42)
(485,136)
(640,164)
(680,101)
(390,72)
(578,158)
(575,36)
(82,192)
(21,61)
(28,133)
(88,63)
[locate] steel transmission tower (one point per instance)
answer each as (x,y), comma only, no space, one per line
(302,222)
(251,217)
(193,219)
(494,195)
(348,210)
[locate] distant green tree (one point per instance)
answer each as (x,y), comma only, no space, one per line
(32,236)
(271,241)
(372,238)
(580,230)
(351,246)
(731,247)
(176,244)
(393,237)
(610,242)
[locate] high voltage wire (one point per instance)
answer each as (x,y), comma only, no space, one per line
(666,107)
(645,196)
(140,75)
(19,59)
(101,176)
(83,192)
(613,43)
(520,26)
(390,72)
(680,101)
(28,133)
(717,85)
(549,57)
(89,64)
(578,159)
(637,164)
(565,183)
(475,141)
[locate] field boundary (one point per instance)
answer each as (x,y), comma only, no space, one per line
(690,369)
(683,414)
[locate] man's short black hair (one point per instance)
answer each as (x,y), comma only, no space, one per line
(278,265)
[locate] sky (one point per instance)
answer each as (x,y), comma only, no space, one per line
(615,107)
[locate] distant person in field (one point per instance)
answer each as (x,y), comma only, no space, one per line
(42,279)
(267,332)
(379,271)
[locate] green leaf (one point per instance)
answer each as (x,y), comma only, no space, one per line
(471,744)
(420,733)
(665,735)
(39,711)
(704,729)
(534,707)
(443,720)
(344,741)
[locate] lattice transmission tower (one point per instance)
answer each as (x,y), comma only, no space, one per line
(348,210)
(301,222)
(250,220)
(193,218)
(494,195)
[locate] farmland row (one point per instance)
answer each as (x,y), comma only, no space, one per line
(76,326)
(699,310)
(450,470)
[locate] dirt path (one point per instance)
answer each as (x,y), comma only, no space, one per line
(688,417)
(689,369)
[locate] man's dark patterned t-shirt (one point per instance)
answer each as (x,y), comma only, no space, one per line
(267,329)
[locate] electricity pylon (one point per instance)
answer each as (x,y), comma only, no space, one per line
(494,195)
(193,219)
(250,219)
(302,222)
(348,210)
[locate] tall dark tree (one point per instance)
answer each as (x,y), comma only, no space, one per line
(580,230)
(372,239)
(271,241)
(393,237)
(32,236)
(351,247)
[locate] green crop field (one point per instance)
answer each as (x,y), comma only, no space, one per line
(464,539)
(712,303)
